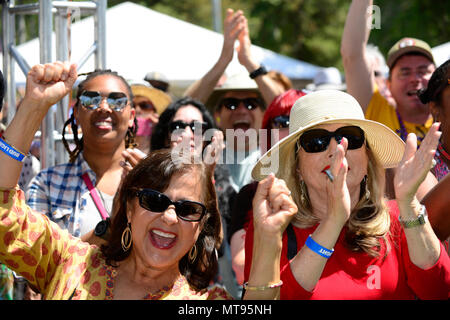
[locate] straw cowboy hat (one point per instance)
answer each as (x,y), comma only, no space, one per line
(237,82)
(159,98)
(327,106)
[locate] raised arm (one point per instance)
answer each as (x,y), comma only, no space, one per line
(358,70)
(423,245)
(46,85)
(233,24)
(268,87)
(273,209)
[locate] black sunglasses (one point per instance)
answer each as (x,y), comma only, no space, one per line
(91,100)
(233,103)
(194,125)
(158,202)
(280,122)
(317,140)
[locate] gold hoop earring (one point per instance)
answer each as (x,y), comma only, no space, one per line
(192,254)
(126,238)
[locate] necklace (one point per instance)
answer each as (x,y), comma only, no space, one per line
(402,131)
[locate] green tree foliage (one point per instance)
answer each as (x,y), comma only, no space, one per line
(308,30)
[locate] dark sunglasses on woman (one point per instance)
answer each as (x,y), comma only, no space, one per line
(233,103)
(91,100)
(317,140)
(155,201)
(194,125)
(280,122)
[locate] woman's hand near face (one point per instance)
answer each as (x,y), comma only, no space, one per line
(415,165)
(213,150)
(339,201)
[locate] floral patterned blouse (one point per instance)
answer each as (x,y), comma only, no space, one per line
(62,266)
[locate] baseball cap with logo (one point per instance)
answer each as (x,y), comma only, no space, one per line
(408,45)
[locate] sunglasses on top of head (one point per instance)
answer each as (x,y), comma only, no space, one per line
(91,100)
(317,140)
(280,122)
(194,125)
(233,103)
(155,201)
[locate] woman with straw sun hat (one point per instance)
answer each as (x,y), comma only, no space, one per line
(346,241)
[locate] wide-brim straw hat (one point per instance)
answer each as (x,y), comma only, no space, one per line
(323,107)
(159,98)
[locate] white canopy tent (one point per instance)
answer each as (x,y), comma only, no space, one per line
(441,53)
(140,40)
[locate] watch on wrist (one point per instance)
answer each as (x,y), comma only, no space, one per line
(102,228)
(421,219)
(258,72)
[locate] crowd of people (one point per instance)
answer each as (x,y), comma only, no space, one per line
(243,188)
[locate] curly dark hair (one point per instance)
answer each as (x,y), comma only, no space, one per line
(131,132)
(160,135)
(436,84)
(155,172)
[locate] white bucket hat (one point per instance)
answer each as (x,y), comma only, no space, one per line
(327,78)
(327,106)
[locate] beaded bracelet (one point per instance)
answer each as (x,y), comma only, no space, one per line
(11,151)
(260,288)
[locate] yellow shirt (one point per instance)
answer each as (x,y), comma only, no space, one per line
(381,111)
(61,266)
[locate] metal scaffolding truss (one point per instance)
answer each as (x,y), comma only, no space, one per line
(60,11)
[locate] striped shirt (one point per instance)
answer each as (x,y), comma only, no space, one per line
(60,193)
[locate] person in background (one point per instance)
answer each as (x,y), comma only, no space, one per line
(239,102)
(410,63)
(149,104)
(164,230)
(276,125)
(79,194)
(347,241)
(437,95)
(327,78)
(281,79)
(187,122)
(380,71)
(157,80)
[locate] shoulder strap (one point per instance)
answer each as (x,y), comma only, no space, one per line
(292,242)
(95,196)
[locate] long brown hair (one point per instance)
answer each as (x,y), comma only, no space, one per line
(155,172)
(369,220)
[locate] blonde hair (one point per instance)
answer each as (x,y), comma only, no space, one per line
(369,220)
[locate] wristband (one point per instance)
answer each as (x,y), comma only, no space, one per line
(258,72)
(317,248)
(11,150)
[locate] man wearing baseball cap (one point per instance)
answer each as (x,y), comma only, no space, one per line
(410,63)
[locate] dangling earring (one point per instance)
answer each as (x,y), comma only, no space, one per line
(192,254)
(303,192)
(126,238)
(364,189)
